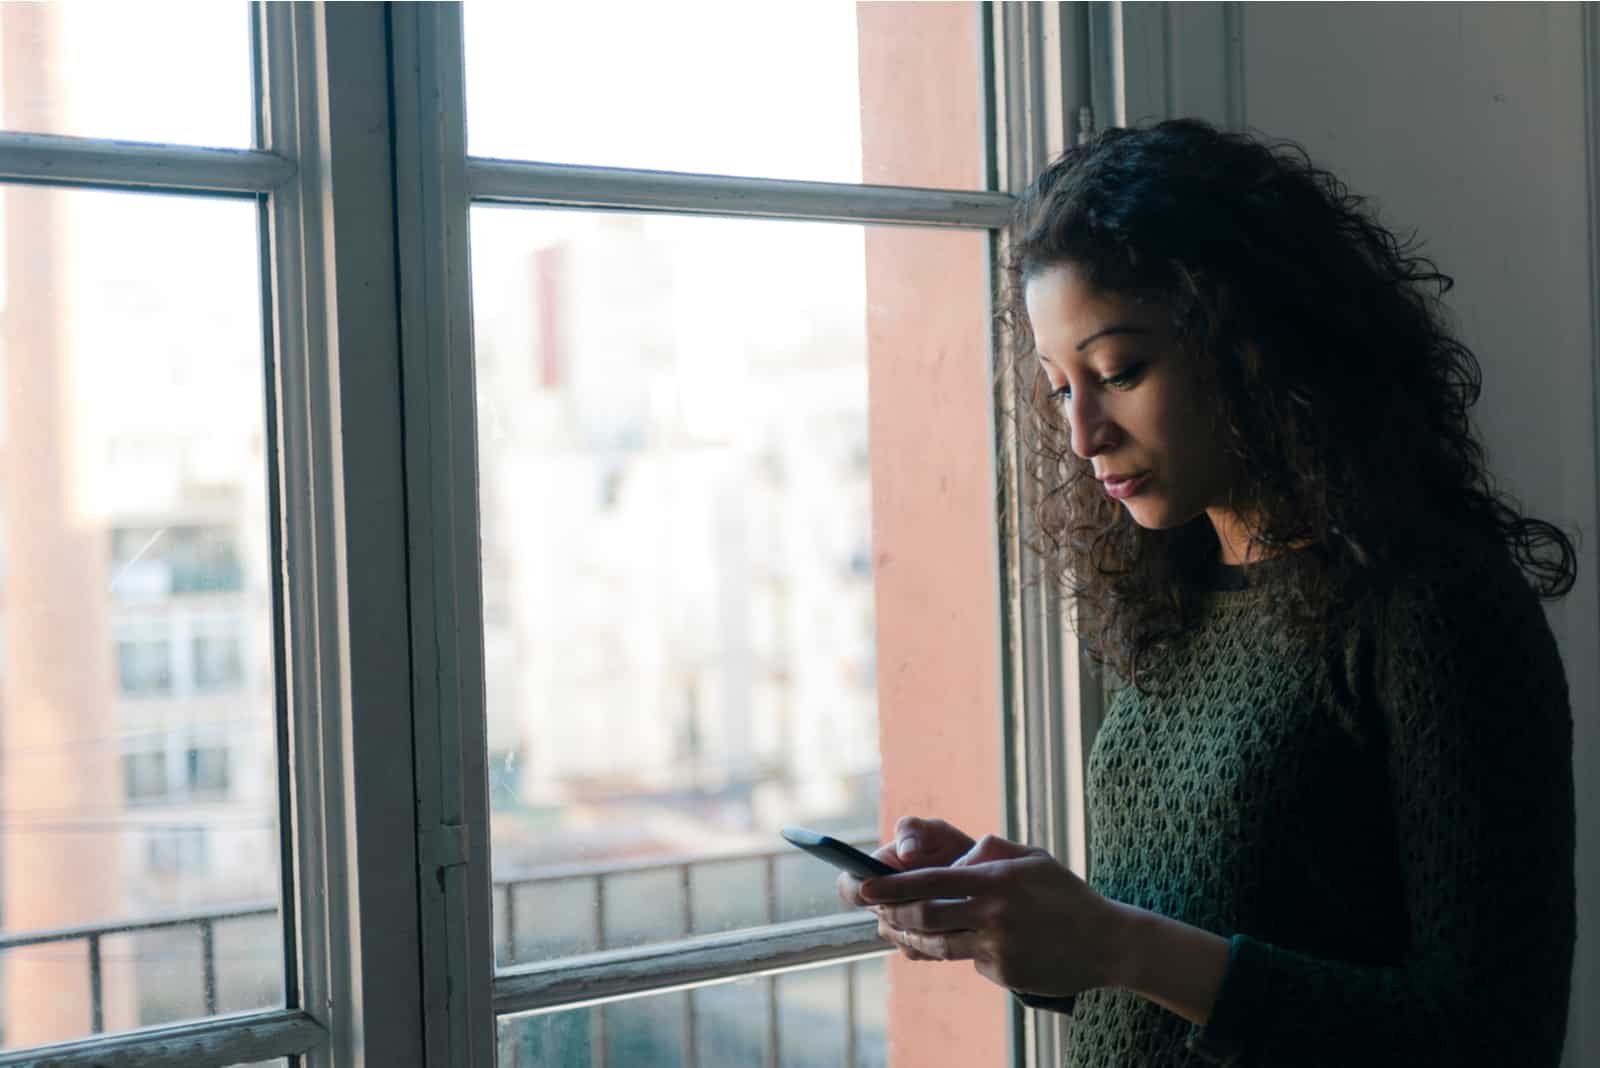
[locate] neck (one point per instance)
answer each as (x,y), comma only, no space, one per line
(1235,546)
(1232,539)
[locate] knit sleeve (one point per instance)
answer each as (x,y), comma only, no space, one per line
(1474,705)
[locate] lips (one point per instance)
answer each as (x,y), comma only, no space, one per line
(1121,486)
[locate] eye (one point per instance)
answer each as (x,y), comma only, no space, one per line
(1125,379)
(1064,393)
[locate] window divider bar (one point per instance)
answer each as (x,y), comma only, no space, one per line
(233,1039)
(574,186)
(1037,81)
(442,523)
(292,271)
(619,974)
(57,159)
(342,575)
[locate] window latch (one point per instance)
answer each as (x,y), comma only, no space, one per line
(445,846)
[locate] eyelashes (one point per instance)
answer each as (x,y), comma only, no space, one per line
(1123,380)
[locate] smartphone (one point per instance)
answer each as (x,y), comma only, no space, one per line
(845,857)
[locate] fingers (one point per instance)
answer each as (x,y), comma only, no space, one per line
(923,842)
(953,945)
(933,917)
(992,847)
(848,887)
(889,934)
(926,884)
(933,930)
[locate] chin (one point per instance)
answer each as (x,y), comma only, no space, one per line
(1155,515)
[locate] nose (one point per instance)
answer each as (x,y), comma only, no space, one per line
(1093,432)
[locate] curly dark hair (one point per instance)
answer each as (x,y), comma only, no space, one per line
(1328,347)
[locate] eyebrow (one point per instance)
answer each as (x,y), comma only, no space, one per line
(1120,328)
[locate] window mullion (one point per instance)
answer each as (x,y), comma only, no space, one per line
(339,463)
(1039,84)
(443,534)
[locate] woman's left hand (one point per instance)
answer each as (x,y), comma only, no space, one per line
(1023,919)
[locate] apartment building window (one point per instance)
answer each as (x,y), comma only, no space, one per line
(172,768)
(216,656)
(144,662)
(178,851)
(184,558)
(144,776)
(179,653)
(518,494)
(206,770)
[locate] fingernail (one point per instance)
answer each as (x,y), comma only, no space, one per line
(907,846)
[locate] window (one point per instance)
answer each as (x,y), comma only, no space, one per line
(217,656)
(144,776)
(171,767)
(681,465)
(144,662)
(163,561)
(458,558)
(181,850)
(136,530)
(206,770)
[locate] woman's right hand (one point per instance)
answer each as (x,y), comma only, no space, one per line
(918,843)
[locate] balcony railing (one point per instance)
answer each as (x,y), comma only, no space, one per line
(599,876)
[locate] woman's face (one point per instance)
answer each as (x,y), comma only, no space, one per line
(1135,406)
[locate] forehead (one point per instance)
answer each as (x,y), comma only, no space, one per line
(1064,310)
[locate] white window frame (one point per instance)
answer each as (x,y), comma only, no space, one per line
(1053,83)
(441,183)
(324,183)
(365,191)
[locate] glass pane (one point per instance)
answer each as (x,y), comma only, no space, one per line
(677,565)
(178,71)
(841,92)
(827,1017)
(137,671)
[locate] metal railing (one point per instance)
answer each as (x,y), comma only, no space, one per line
(599,875)
(93,936)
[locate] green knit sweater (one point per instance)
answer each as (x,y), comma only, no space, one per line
(1383,826)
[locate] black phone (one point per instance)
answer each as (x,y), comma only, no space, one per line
(845,857)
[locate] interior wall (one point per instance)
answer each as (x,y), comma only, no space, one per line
(1474,124)
(932,446)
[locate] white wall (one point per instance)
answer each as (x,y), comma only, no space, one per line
(1470,123)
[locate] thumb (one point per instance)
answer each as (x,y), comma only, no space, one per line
(924,843)
(992,847)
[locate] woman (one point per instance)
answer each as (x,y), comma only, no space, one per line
(1331,811)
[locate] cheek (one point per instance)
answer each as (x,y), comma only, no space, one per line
(1193,445)
(1180,438)
(1168,426)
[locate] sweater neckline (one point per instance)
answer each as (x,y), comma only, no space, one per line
(1236,578)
